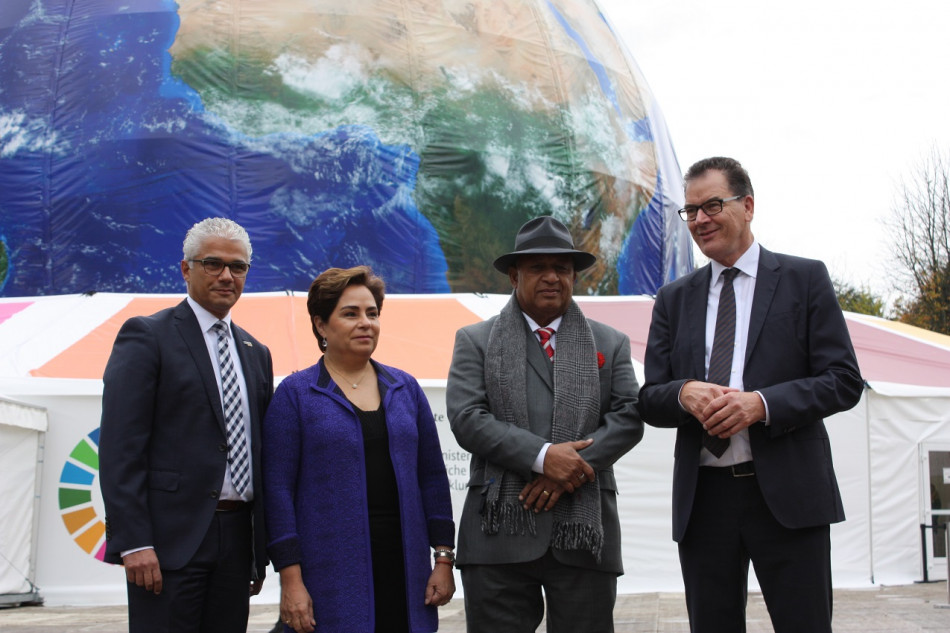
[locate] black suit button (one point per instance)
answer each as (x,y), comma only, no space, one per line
(223,448)
(214,494)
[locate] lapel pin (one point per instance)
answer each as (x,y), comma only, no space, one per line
(248,343)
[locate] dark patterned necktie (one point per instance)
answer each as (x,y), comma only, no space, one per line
(545,334)
(238,458)
(724,342)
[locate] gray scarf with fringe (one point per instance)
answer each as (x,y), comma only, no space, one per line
(577,518)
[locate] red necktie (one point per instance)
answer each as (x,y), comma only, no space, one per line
(545,334)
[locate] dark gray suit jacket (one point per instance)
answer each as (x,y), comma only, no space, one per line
(163,449)
(799,357)
(479,432)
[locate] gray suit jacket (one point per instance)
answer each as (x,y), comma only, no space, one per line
(478,431)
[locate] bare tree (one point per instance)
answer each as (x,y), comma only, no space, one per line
(920,225)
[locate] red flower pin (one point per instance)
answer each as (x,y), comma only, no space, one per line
(600,360)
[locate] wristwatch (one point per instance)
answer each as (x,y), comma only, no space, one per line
(444,556)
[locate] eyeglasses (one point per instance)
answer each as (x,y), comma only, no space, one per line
(215,267)
(710,207)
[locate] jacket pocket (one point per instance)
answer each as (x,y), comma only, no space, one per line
(163,480)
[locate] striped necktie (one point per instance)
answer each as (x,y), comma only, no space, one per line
(545,334)
(724,342)
(238,457)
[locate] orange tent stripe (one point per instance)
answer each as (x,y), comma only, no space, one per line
(87,357)
(417,335)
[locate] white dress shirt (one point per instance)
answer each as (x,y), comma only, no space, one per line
(739,449)
(206,322)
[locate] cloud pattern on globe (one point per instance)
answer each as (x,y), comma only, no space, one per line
(414,136)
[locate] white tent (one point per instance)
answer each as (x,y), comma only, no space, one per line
(888,450)
(21,455)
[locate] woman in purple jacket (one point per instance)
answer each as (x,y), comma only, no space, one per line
(355,487)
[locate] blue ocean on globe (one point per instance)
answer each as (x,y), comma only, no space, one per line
(153,168)
(109,152)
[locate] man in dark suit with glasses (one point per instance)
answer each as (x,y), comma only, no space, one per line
(746,357)
(183,397)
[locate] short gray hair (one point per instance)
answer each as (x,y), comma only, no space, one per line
(214,227)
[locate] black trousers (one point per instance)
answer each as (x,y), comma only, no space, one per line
(508,598)
(210,594)
(730,525)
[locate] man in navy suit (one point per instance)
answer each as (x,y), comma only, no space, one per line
(766,491)
(184,393)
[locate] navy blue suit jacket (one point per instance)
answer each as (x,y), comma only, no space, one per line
(799,357)
(163,448)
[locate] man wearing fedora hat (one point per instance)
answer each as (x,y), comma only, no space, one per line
(545,400)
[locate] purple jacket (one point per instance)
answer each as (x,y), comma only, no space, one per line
(315,496)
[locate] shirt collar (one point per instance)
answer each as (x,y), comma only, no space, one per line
(554,325)
(205,319)
(747,263)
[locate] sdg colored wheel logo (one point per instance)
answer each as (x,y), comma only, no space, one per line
(80,502)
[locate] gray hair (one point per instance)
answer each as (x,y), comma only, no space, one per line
(214,227)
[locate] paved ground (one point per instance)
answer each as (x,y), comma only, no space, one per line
(897,609)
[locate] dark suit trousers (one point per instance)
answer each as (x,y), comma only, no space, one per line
(209,594)
(730,525)
(508,599)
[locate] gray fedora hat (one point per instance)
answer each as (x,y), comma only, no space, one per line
(544,236)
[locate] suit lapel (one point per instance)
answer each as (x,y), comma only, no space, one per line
(249,365)
(187,325)
(766,281)
(245,347)
(696,302)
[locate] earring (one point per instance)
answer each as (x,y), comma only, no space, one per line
(323,344)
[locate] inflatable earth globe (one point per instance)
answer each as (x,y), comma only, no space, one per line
(415,136)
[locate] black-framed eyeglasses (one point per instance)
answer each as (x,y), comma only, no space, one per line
(215,267)
(710,207)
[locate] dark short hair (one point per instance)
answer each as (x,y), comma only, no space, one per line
(328,287)
(736,175)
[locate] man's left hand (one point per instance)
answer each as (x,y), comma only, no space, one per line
(540,494)
(731,412)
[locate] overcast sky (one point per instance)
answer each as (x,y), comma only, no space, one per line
(828,104)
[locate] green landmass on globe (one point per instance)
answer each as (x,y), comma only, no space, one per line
(414,136)
(501,137)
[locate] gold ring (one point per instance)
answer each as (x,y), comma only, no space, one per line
(581,476)
(545,492)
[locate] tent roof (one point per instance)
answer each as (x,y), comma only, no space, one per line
(23,415)
(71,336)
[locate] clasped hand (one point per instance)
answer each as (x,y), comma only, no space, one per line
(564,471)
(723,411)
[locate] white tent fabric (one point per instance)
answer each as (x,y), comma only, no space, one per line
(900,431)
(878,446)
(21,433)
